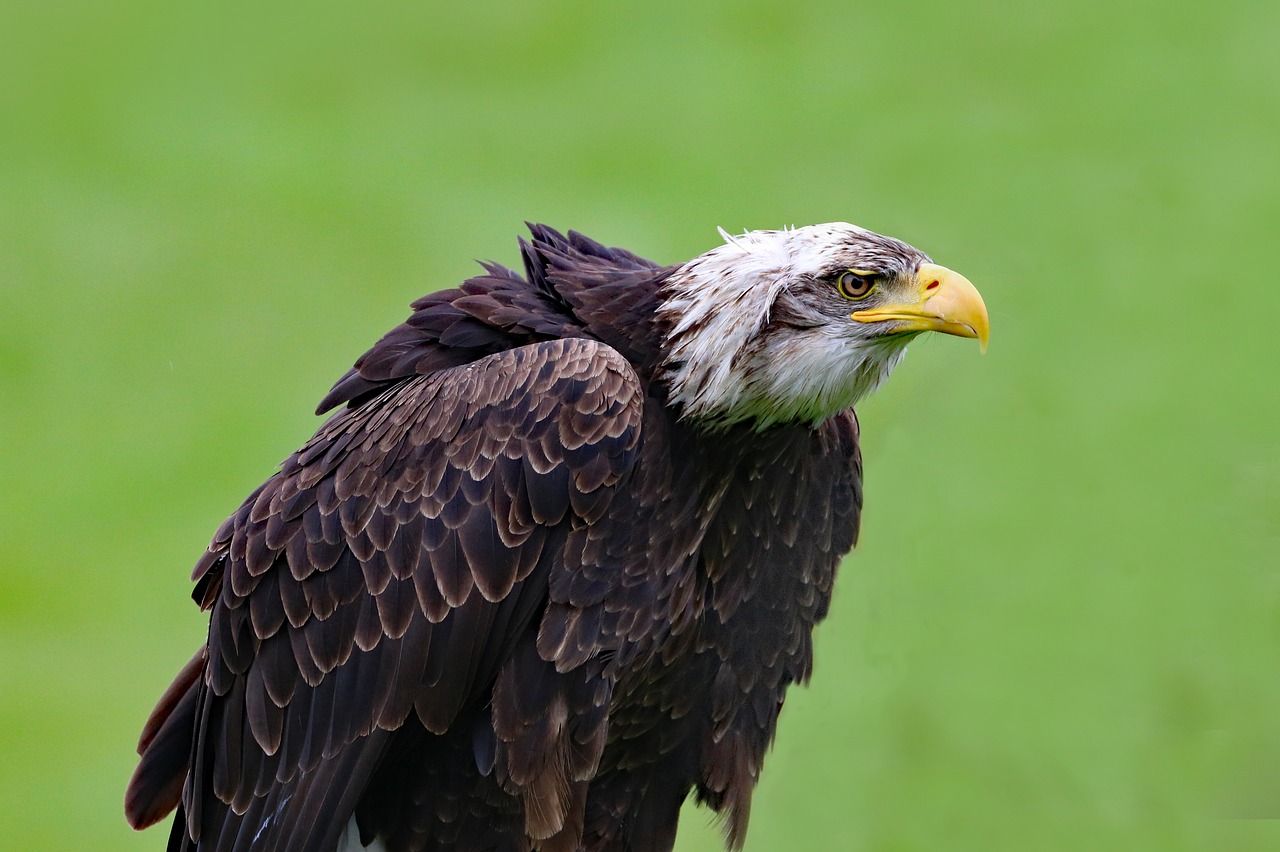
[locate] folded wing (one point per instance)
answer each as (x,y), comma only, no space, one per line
(387,569)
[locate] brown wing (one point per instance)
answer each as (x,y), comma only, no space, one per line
(387,569)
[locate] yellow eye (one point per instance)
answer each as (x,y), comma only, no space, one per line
(853,285)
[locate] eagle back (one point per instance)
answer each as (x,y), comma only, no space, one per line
(573,287)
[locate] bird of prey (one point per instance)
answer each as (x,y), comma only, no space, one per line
(553,565)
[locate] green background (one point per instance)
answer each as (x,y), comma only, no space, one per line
(1060,629)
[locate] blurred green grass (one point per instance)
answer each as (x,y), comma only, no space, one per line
(1060,630)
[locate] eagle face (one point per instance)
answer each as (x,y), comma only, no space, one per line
(797,325)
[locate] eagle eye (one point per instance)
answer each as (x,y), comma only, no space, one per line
(855,285)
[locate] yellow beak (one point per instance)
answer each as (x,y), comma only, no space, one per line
(947,303)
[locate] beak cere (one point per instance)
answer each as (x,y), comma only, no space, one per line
(947,302)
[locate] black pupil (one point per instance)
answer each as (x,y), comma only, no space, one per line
(854,285)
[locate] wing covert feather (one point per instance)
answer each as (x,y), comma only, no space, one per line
(390,565)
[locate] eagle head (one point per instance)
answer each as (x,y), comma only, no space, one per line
(796,325)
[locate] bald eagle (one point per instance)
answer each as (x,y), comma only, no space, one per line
(554,564)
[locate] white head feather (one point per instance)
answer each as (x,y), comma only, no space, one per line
(725,363)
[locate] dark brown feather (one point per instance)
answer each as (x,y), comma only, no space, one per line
(505,599)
